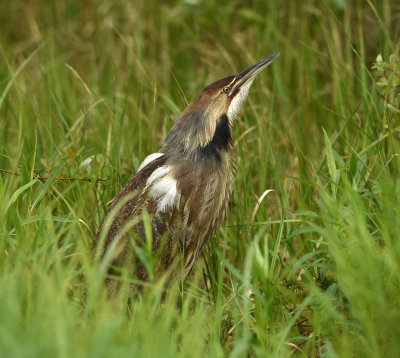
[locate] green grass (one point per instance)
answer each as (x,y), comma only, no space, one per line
(316,273)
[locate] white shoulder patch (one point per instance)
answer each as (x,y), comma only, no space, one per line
(162,187)
(149,159)
(165,191)
(158,174)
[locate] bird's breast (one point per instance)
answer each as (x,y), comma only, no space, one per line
(205,192)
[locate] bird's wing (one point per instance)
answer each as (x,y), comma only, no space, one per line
(154,189)
(132,199)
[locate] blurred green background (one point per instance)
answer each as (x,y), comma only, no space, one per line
(89,88)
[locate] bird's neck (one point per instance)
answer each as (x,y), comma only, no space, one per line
(220,144)
(189,144)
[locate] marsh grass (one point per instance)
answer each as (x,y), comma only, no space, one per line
(88,90)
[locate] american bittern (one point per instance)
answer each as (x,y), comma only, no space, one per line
(182,192)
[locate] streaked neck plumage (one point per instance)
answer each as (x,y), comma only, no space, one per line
(197,143)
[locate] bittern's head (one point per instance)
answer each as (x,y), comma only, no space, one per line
(204,127)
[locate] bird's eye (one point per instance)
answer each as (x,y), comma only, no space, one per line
(226,89)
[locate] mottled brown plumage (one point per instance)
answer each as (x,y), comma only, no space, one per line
(183,190)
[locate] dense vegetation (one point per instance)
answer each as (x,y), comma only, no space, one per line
(88,89)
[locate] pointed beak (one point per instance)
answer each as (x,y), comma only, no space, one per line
(247,76)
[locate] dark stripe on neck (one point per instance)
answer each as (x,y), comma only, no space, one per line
(221,140)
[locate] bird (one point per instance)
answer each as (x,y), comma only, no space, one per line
(161,221)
